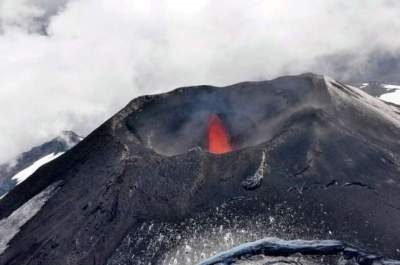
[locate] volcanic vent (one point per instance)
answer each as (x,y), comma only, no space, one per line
(185,175)
(205,119)
(218,138)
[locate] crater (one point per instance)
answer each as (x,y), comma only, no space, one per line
(250,113)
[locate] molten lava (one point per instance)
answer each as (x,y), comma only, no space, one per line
(218,138)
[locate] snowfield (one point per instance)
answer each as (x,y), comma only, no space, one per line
(27,172)
(392,97)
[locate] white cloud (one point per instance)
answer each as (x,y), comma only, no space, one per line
(19,13)
(29,15)
(99,54)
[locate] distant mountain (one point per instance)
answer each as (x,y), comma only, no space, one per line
(387,92)
(13,173)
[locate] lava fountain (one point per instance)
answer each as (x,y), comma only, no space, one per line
(218,138)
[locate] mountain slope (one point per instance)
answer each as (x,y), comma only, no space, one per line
(386,92)
(12,174)
(312,159)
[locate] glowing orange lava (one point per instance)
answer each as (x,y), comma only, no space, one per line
(218,138)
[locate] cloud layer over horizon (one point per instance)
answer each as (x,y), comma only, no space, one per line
(69,65)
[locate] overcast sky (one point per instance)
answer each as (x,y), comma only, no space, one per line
(69,65)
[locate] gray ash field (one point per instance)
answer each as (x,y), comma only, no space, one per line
(311,161)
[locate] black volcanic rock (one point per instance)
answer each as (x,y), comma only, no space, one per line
(312,252)
(313,159)
(60,144)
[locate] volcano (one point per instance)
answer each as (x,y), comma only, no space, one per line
(305,159)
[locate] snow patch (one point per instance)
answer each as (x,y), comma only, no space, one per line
(27,172)
(393,97)
(11,225)
(391,86)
